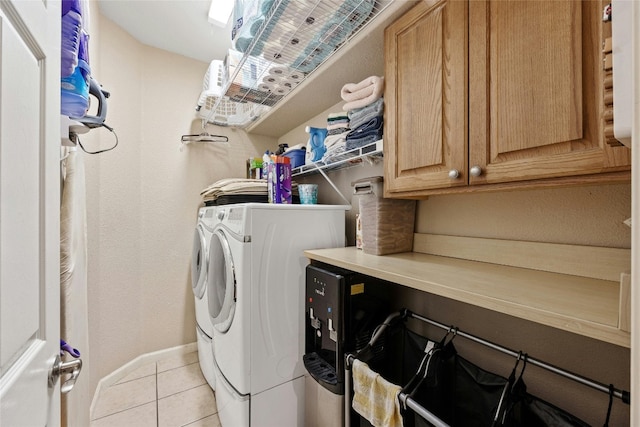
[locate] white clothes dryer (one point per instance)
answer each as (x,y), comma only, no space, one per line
(256,304)
(199,269)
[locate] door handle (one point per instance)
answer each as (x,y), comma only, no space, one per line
(59,368)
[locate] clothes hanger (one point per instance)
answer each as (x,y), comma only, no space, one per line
(511,383)
(421,374)
(204,136)
(501,410)
(423,370)
(453,332)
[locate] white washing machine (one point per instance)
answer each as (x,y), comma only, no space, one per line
(199,269)
(256,304)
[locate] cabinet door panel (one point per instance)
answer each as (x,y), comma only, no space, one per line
(420,45)
(537,113)
(425,97)
(536,77)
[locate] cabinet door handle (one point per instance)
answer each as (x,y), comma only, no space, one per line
(475,171)
(453,173)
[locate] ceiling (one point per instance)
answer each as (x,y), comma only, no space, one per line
(179,26)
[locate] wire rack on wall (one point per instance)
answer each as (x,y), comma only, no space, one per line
(370,153)
(277,44)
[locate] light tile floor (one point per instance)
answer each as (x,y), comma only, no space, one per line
(167,393)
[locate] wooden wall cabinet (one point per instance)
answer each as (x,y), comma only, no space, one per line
(484,95)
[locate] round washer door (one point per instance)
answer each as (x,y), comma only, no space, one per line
(221,282)
(199,263)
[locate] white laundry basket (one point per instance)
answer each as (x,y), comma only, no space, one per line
(216,108)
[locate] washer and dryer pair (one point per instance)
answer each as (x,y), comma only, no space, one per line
(255,287)
(199,270)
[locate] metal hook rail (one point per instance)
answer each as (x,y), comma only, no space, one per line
(623,395)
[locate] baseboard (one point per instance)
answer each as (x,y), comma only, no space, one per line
(138,362)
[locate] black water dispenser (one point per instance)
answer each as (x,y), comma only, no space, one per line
(342,308)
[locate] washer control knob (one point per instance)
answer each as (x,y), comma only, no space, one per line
(220,214)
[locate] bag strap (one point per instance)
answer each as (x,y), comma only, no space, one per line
(506,391)
(611,390)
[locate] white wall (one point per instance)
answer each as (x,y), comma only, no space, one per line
(143,198)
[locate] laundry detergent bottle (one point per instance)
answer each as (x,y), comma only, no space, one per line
(316,147)
(70,41)
(74,89)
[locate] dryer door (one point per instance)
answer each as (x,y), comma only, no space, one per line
(199,263)
(221,282)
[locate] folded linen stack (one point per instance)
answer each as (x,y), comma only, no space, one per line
(335,142)
(234,187)
(368,125)
(239,190)
(359,95)
(365,107)
(337,123)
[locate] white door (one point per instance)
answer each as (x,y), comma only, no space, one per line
(29,211)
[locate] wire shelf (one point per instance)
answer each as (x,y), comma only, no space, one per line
(280,43)
(347,159)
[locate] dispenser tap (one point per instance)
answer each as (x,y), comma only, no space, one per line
(333,335)
(315,322)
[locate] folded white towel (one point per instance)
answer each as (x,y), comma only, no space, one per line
(361,94)
(355,91)
(375,398)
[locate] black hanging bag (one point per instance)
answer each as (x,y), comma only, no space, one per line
(456,390)
(525,410)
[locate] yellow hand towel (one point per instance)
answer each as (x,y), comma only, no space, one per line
(375,398)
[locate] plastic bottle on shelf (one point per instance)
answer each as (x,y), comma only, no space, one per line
(71,32)
(74,90)
(316,143)
(266,159)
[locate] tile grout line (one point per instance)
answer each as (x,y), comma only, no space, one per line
(157,404)
(177,367)
(131,380)
(121,411)
(157,398)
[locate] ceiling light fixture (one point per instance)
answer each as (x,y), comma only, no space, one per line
(220,12)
